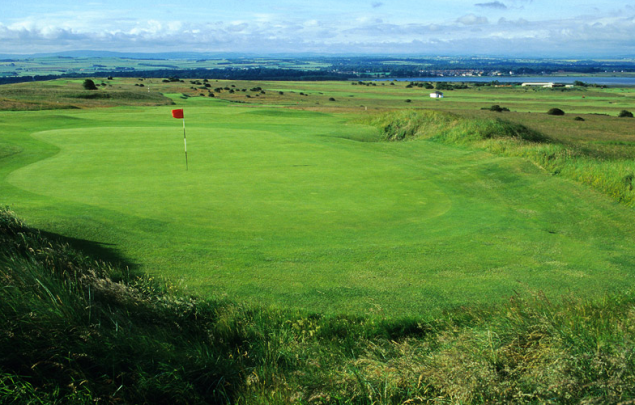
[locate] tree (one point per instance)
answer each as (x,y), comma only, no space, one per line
(625,114)
(444,86)
(89,85)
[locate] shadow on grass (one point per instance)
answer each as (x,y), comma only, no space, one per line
(98,251)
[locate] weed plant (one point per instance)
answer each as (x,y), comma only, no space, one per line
(76,330)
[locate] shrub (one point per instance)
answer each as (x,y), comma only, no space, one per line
(496,108)
(578,119)
(555,111)
(331,99)
(89,85)
(625,114)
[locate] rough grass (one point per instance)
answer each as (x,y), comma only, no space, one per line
(77,330)
(611,176)
(64,95)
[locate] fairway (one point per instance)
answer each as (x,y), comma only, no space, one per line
(311,210)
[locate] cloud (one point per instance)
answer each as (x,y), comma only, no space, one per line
(472,19)
(494,5)
(377,4)
(517,23)
(600,34)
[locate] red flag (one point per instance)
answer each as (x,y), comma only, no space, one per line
(177,113)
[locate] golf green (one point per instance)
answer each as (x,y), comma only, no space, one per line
(311,210)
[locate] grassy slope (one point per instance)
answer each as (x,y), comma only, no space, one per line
(281,207)
(75,330)
(70,94)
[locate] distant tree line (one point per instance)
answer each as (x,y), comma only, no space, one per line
(233,74)
(355,68)
(225,74)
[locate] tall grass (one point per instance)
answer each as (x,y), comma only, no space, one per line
(613,177)
(76,330)
(29,97)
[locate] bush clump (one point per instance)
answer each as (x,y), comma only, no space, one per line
(555,111)
(496,108)
(89,85)
(625,114)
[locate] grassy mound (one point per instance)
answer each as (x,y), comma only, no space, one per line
(57,95)
(75,330)
(448,127)
(611,176)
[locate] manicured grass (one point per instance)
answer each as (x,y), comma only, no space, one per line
(309,210)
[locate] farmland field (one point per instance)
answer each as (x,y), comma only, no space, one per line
(308,207)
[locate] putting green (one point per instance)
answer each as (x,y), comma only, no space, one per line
(289,208)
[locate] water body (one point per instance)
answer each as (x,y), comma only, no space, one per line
(602,81)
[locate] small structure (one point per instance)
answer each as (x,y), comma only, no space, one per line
(436,94)
(538,84)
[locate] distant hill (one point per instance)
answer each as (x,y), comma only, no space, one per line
(142,55)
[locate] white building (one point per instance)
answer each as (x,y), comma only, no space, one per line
(436,94)
(538,84)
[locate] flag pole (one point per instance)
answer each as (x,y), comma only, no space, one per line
(179,114)
(185,143)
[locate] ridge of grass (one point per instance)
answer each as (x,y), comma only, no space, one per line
(611,176)
(58,95)
(78,330)
(448,127)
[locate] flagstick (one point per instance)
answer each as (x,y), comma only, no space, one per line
(185,143)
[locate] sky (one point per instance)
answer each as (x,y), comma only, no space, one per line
(508,28)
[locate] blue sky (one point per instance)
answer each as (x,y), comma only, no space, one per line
(515,28)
